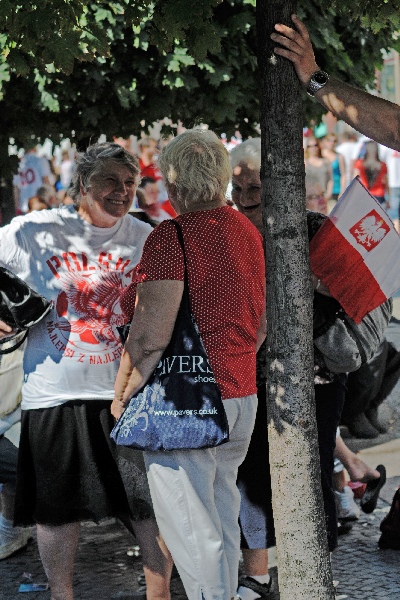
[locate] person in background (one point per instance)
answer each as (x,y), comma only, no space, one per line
(367,388)
(254,476)
(318,167)
(148,150)
(33,172)
(66,172)
(149,203)
(11,377)
(35,203)
(147,161)
(392,160)
(328,151)
(349,149)
(358,471)
(82,258)
(48,195)
(373,173)
(194,492)
(315,199)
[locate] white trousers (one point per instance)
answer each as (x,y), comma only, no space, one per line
(196,503)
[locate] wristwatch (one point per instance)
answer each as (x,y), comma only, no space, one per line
(317,81)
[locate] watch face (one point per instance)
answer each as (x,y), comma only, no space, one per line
(320,77)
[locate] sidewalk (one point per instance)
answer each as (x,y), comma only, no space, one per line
(105,571)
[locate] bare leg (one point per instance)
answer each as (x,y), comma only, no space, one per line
(255,562)
(255,581)
(357,469)
(57,548)
(157,560)
(339,481)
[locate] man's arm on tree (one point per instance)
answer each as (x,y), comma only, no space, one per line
(375,117)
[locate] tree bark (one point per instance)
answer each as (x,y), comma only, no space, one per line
(303,557)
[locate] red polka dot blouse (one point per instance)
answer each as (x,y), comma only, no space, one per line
(226,274)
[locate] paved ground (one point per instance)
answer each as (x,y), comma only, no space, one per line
(106,571)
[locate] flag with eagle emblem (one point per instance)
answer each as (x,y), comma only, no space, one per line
(356,252)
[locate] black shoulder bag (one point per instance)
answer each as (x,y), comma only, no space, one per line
(180,407)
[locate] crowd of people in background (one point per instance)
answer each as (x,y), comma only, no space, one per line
(331,159)
(334,163)
(108,184)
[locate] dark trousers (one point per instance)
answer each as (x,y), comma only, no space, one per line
(329,400)
(369,386)
(254,481)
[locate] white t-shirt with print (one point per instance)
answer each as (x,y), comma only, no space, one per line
(74,352)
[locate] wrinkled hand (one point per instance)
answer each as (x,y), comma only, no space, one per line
(5,330)
(117,408)
(297,48)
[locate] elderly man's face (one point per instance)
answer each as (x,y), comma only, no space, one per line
(246,193)
(315,199)
(109,195)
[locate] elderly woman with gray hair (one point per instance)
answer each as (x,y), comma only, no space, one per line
(82,258)
(194,492)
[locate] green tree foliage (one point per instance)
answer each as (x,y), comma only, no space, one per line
(79,67)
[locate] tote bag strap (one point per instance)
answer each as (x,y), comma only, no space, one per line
(186,280)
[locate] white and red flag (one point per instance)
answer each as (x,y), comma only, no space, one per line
(356,252)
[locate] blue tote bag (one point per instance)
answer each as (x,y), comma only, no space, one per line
(180,407)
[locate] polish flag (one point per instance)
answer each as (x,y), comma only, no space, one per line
(356,252)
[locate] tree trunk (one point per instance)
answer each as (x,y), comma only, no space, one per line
(303,556)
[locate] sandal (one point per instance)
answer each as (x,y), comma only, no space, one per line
(370,497)
(262,589)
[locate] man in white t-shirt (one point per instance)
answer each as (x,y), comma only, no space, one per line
(33,172)
(81,257)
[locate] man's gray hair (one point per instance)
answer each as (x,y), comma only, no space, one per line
(197,164)
(248,153)
(91,161)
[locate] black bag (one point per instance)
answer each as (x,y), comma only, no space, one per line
(180,407)
(344,344)
(20,307)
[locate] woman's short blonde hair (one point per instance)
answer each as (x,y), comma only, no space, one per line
(197,164)
(247,153)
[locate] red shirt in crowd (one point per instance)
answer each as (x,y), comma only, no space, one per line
(150,170)
(226,274)
(378,188)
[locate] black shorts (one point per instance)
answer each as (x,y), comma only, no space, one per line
(69,469)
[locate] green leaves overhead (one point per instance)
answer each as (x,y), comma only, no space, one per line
(106,67)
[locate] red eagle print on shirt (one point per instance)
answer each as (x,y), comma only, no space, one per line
(92,303)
